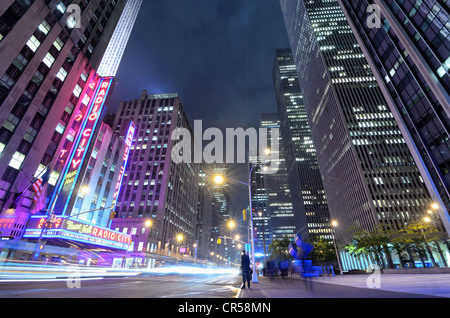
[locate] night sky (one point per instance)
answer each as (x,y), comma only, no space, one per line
(217,54)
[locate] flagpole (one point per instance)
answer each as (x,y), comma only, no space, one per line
(34,180)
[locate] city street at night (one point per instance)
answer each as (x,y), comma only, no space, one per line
(226,152)
(185,283)
(123,286)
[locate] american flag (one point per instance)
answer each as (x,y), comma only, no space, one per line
(40,187)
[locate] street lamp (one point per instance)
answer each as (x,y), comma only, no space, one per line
(231,224)
(334,224)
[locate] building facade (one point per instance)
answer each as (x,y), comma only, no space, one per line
(284,217)
(116,48)
(53,102)
(407,46)
(368,172)
(305,181)
(154,187)
(48,77)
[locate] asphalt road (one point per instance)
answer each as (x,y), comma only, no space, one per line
(151,286)
(188,286)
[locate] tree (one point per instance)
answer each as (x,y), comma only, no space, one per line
(323,251)
(369,242)
(421,232)
(279,249)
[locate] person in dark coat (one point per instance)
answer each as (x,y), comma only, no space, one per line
(245,269)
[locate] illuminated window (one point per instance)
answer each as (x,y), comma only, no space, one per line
(77,91)
(40,171)
(48,60)
(62,74)
(54,176)
(44,27)
(17,160)
(33,43)
(58,44)
(61,7)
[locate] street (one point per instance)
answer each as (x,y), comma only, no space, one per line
(200,286)
(143,286)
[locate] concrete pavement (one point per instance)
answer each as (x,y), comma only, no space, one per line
(352,286)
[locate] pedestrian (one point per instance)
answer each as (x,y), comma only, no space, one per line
(245,269)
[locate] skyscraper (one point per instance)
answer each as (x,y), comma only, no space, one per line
(368,172)
(154,186)
(260,209)
(283,211)
(53,102)
(47,80)
(408,48)
(116,47)
(303,173)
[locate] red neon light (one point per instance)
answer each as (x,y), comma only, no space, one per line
(43,222)
(109,235)
(93,116)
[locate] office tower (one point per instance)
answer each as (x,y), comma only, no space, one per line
(116,48)
(303,172)
(368,172)
(221,191)
(409,53)
(283,210)
(47,80)
(260,209)
(206,213)
(154,186)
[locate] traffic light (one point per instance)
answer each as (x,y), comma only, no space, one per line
(244,215)
(113,215)
(219,241)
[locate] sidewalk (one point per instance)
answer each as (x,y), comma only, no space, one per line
(294,287)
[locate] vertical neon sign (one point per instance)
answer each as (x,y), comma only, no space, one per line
(128,142)
(71,171)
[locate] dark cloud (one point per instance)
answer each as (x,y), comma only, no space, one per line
(217,54)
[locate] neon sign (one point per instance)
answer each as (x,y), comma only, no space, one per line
(128,142)
(62,197)
(66,228)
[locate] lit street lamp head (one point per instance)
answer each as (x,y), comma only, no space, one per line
(218,179)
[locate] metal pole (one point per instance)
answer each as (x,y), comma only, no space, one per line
(337,254)
(255,275)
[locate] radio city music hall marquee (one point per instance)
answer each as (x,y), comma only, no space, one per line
(59,202)
(76,230)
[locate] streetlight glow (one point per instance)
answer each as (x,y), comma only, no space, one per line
(218,179)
